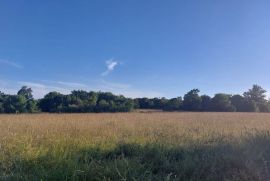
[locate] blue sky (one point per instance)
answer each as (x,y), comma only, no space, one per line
(134,47)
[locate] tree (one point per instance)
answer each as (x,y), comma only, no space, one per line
(121,104)
(192,101)
(136,103)
(91,101)
(264,107)
(222,103)
(128,106)
(31,106)
(81,101)
(52,102)
(15,104)
(257,94)
(206,102)
(103,106)
(238,102)
(159,103)
(26,92)
(243,104)
(2,100)
(173,104)
(145,103)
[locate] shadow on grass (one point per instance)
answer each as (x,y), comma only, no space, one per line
(247,160)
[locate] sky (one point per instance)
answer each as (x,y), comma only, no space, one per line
(138,48)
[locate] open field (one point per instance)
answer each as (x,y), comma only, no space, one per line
(135,146)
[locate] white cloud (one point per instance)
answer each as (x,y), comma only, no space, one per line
(40,89)
(68,84)
(10,63)
(8,90)
(72,84)
(110,64)
(32,84)
(5,87)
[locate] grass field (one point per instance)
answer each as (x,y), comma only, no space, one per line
(135,146)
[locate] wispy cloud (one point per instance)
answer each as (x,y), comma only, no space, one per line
(7,88)
(10,63)
(68,84)
(110,64)
(43,87)
(32,84)
(39,89)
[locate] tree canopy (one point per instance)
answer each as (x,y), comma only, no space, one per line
(192,101)
(79,101)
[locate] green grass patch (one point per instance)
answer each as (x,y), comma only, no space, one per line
(236,160)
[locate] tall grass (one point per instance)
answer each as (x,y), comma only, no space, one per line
(135,146)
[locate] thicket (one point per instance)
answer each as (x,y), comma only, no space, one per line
(79,101)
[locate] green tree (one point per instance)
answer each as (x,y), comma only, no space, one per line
(192,101)
(26,92)
(173,104)
(264,107)
(159,103)
(238,102)
(206,102)
(2,100)
(52,102)
(91,101)
(15,104)
(222,103)
(146,103)
(103,106)
(257,94)
(243,104)
(31,106)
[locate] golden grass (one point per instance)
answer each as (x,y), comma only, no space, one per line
(25,139)
(126,126)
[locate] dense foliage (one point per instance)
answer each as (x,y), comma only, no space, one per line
(254,100)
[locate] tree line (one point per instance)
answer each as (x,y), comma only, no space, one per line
(79,101)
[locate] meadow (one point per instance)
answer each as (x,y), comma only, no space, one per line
(135,146)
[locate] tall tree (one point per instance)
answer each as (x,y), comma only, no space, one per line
(2,100)
(206,102)
(173,104)
(192,101)
(31,106)
(26,92)
(222,103)
(243,104)
(15,104)
(52,102)
(257,94)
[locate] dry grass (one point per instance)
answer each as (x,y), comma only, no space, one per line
(135,146)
